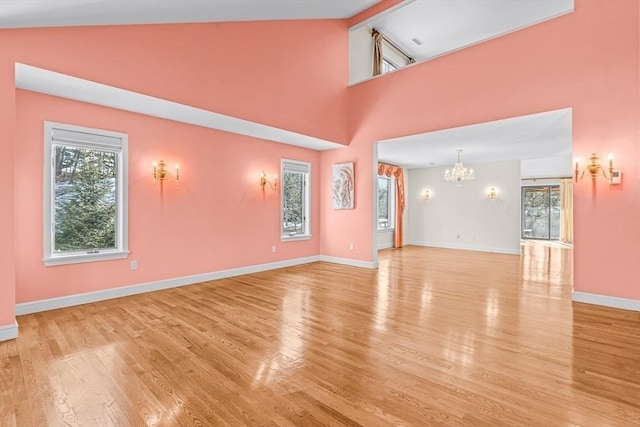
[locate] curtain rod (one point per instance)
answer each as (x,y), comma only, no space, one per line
(395,46)
(551,177)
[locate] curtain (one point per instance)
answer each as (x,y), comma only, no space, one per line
(566,210)
(377,52)
(398,173)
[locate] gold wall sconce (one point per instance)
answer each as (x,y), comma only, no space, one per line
(593,167)
(492,193)
(426,195)
(264,181)
(160,173)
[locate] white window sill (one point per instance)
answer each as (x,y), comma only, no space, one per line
(77,258)
(385,230)
(295,237)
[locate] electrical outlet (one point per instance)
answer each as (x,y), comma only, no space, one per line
(134,265)
(273,249)
(350,246)
(457,236)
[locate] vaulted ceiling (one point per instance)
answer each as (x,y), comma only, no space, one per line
(55,13)
(429,28)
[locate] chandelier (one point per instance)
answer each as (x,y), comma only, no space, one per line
(459,173)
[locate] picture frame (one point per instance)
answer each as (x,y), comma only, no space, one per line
(343,186)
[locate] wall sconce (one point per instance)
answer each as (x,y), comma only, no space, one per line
(492,193)
(264,181)
(160,173)
(426,195)
(594,167)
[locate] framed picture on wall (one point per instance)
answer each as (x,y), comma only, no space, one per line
(343,188)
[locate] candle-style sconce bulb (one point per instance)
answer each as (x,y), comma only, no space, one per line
(160,172)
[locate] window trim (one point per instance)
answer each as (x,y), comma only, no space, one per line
(391,66)
(391,200)
(122,230)
(523,218)
(297,166)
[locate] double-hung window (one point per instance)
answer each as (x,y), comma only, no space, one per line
(295,200)
(386,203)
(85,194)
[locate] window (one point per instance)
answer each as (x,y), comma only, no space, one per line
(388,66)
(393,58)
(386,203)
(295,200)
(85,204)
(541,207)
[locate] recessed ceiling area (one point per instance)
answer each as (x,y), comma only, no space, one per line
(444,26)
(56,13)
(542,138)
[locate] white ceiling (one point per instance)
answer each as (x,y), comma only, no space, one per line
(55,13)
(535,136)
(447,25)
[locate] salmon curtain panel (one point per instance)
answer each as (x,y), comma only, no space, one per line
(377,52)
(566,210)
(398,173)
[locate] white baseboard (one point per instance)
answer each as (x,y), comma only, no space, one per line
(607,301)
(89,297)
(348,261)
(385,246)
(466,247)
(106,294)
(9,332)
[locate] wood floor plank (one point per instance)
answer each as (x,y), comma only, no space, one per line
(432,337)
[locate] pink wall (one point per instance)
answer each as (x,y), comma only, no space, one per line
(587,60)
(7,134)
(258,71)
(253,70)
(217,218)
(374,10)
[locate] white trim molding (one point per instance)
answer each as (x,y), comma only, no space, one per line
(466,247)
(106,294)
(8,332)
(607,301)
(385,245)
(385,238)
(348,261)
(89,297)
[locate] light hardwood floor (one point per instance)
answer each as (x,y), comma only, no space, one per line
(433,337)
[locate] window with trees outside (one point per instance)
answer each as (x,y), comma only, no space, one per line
(541,212)
(386,203)
(85,194)
(295,200)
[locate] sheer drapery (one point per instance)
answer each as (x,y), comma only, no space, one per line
(566,210)
(377,52)
(398,173)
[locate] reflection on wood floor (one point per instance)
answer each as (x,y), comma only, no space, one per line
(433,337)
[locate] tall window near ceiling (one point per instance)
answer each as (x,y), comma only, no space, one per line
(85,197)
(388,66)
(295,200)
(387,56)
